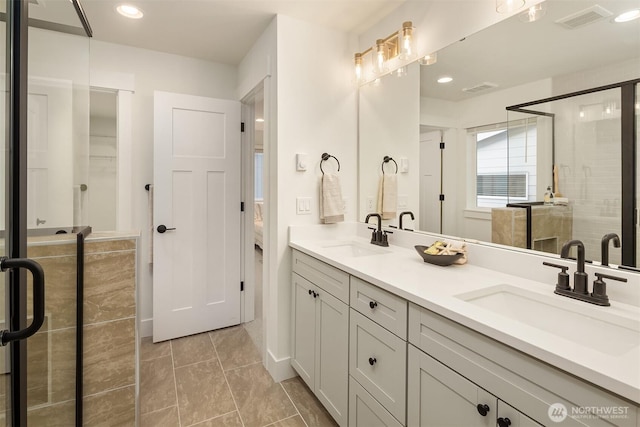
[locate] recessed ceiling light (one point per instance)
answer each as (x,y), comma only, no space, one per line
(129,11)
(628,16)
(445,79)
(259,120)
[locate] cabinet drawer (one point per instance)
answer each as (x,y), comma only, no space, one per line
(384,308)
(365,411)
(378,361)
(329,278)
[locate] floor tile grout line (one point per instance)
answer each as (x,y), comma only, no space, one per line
(245,366)
(195,363)
(175,383)
(226,380)
(294,404)
(288,418)
(158,410)
(216,417)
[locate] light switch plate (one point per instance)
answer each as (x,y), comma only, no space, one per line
(404,165)
(302,162)
(303,205)
(403,201)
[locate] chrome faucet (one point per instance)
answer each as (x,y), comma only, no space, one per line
(605,246)
(378,237)
(403,214)
(580,291)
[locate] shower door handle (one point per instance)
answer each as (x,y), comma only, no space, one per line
(7,336)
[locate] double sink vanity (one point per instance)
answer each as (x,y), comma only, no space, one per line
(384,339)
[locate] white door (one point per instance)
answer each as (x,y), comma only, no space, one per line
(430,182)
(196,267)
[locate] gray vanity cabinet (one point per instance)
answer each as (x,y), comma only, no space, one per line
(439,396)
(320,333)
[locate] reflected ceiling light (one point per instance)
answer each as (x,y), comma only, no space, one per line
(259,120)
(430,59)
(506,6)
(628,16)
(129,11)
(533,13)
(445,79)
(399,44)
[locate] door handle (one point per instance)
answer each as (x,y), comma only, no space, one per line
(162,228)
(7,336)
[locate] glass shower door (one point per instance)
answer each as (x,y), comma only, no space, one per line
(46,140)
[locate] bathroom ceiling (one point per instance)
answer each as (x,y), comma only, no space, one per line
(221,30)
(513,52)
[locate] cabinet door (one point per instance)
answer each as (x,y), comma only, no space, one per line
(303,329)
(332,362)
(508,416)
(438,396)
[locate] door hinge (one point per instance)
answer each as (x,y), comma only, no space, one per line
(242,127)
(241,286)
(442,145)
(442,197)
(241,206)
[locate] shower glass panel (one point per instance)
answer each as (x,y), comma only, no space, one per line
(57,177)
(578,155)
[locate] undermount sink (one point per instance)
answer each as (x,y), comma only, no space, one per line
(353,249)
(588,325)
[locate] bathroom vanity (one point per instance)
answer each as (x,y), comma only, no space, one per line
(382,338)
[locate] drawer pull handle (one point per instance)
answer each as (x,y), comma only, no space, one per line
(314,293)
(504,422)
(483,409)
(372,304)
(372,361)
(310,292)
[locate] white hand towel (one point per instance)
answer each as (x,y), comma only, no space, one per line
(331,204)
(388,196)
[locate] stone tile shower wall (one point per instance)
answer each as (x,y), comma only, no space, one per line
(109,335)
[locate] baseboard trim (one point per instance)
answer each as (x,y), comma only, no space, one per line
(146,328)
(280,369)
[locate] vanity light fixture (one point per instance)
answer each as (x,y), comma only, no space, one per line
(430,59)
(400,44)
(628,16)
(506,6)
(445,79)
(533,13)
(129,11)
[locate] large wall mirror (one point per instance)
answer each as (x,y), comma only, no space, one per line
(463,157)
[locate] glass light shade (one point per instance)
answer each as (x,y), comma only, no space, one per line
(506,6)
(533,13)
(379,57)
(430,59)
(358,68)
(406,41)
(402,71)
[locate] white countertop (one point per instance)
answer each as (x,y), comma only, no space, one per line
(400,270)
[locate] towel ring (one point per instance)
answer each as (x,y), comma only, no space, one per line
(325,157)
(387,159)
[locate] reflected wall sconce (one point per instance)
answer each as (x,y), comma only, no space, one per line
(533,13)
(430,59)
(399,44)
(506,6)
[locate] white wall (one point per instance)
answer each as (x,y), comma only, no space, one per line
(156,71)
(317,112)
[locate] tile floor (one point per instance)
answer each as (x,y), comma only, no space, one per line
(217,379)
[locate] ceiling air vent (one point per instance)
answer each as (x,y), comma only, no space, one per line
(479,87)
(584,17)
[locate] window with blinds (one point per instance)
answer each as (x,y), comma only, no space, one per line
(502,185)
